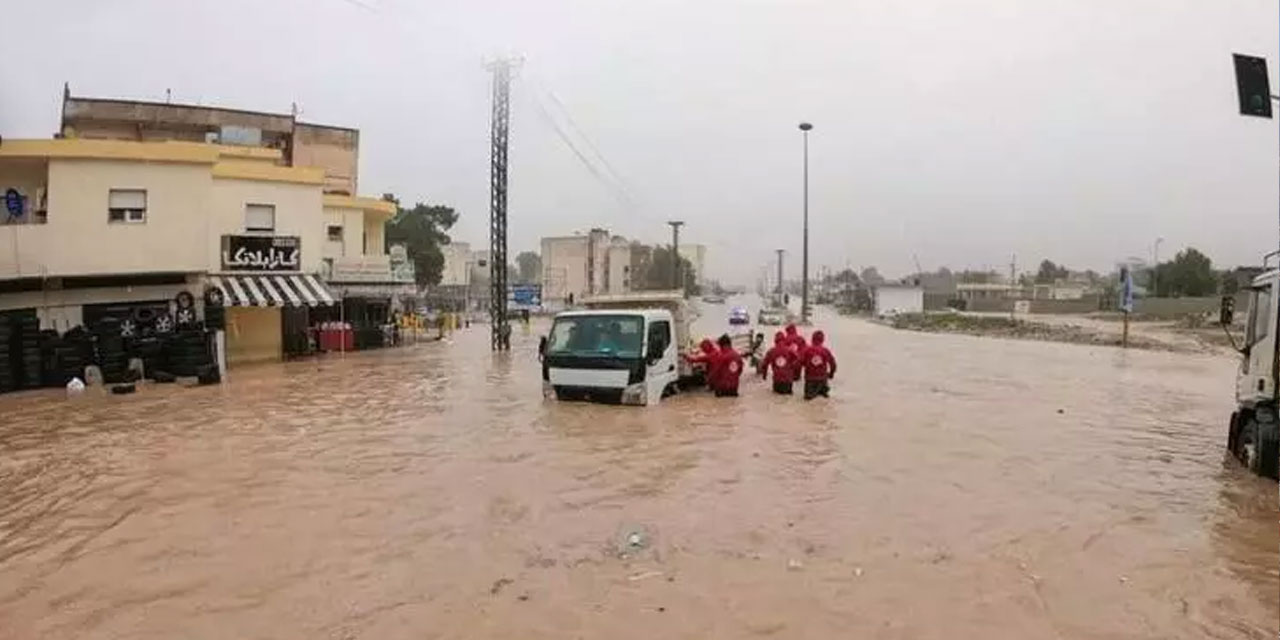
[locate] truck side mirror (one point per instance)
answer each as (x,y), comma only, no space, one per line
(1227,311)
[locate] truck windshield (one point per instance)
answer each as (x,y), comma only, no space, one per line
(596,335)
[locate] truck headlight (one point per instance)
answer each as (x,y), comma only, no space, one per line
(635,394)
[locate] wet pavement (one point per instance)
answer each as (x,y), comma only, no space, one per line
(951,487)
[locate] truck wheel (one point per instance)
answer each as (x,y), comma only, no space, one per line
(1264,458)
(1233,434)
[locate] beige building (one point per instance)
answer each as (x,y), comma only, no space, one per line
(104,226)
(584,265)
(696,254)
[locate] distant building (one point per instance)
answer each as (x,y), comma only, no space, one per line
(696,254)
(893,299)
(584,265)
(987,290)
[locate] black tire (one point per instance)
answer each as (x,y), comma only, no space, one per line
(163,324)
(185,300)
(185,316)
(162,377)
(213,296)
(122,389)
(1264,458)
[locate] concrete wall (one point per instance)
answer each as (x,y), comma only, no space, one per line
(353,232)
(1175,307)
(334,149)
(78,240)
(375,243)
(564,267)
(898,300)
(298,213)
(456,257)
(619,269)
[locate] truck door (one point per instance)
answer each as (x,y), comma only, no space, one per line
(1254,381)
(661,359)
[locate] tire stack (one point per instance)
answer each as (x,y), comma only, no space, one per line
(27,329)
(187,353)
(7,382)
(150,350)
(73,352)
(111,356)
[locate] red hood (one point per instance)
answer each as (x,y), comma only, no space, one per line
(819,338)
(779,337)
(707,346)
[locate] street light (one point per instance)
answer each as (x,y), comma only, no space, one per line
(805,127)
(1155,267)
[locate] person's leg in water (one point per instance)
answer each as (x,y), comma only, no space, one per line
(813,389)
(782,388)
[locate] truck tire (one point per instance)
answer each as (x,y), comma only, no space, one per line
(1265,455)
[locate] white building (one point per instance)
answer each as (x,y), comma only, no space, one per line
(894,299)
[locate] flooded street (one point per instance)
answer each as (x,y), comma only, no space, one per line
(951,487)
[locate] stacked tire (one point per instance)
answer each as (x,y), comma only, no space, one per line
(72,353)
(110,354)
(27,329)
(187,353)
(150,350)
(7,381)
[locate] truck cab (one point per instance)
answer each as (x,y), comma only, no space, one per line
(1253,435)
(619,356)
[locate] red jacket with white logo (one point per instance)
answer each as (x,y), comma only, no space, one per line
(781,359)
(818,362)
(726,369)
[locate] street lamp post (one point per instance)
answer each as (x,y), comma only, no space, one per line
(805,127)
(1155,267)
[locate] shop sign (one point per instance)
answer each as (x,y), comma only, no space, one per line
(261,253)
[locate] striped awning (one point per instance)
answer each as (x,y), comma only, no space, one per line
(264,290)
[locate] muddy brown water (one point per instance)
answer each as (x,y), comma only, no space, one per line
(951,487)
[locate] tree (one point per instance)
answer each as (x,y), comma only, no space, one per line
(847,276)
(658,276)
(422,232)
(529,265)
(1049,272)
(1190,273)
(872,277)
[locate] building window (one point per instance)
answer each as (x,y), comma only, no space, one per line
(127,205)
(335,233)
(260,218)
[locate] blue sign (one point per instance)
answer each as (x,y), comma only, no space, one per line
(13,203)
(1126,290)
(529,295)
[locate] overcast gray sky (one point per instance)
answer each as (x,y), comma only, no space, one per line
(959,132)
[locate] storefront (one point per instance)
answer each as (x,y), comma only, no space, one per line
(268,301)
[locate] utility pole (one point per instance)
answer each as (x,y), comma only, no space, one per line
(675,255)
(499,126)
(1155,268)
(805,127)
(1013,282)
(780,252)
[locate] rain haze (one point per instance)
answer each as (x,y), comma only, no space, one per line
(959,133)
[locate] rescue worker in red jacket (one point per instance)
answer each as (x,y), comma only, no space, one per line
(819,367)
(726,369)
(782,359)
(793,335)
(797,345)
(705,357)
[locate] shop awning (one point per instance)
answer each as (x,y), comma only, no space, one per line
(265,290)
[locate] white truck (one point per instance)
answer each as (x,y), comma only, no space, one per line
(623,348)
(1253,435)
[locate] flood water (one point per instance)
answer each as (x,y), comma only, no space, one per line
(951,487)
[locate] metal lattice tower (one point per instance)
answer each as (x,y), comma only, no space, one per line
(500,122)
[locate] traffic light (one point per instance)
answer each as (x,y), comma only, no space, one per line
(1253,86)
